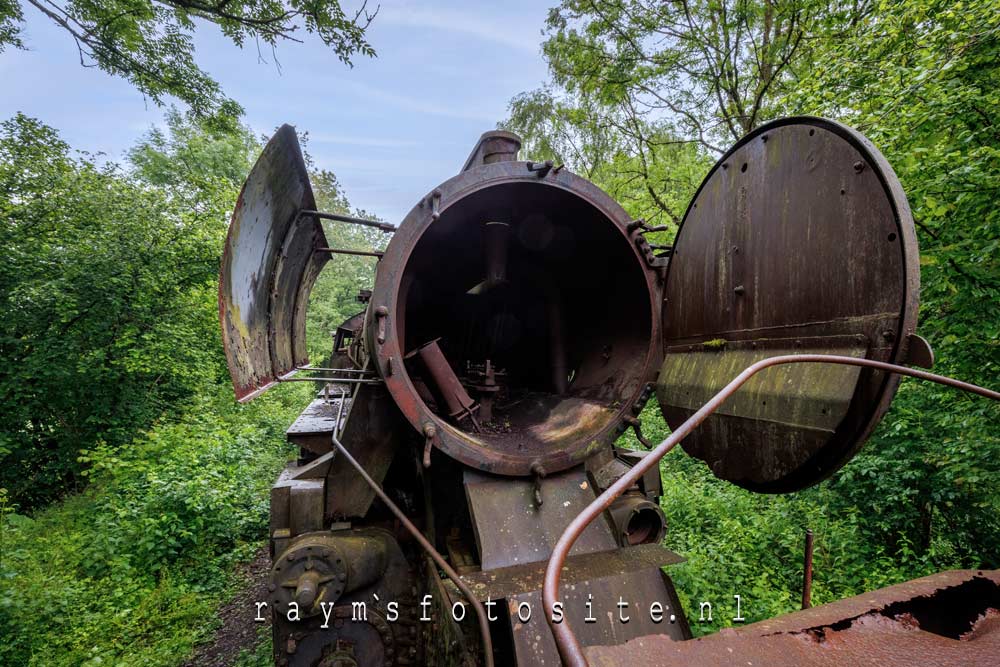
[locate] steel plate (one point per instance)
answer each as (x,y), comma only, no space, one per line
(800,240)
(268,269)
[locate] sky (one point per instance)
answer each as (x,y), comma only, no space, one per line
(391,128)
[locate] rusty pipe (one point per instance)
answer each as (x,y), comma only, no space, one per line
(384,226)
(346,251)
(569,646)
(807,571)
(484,624)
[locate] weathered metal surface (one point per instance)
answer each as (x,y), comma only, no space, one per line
(428,548)
(637,520)
(793,412)
(362,634)
(529,248)
(371,432)
(313,427)
(950,618)
(816,199)
(569,646)
(319,567)
(807,571)
(561,225)
(507,581)
(919,352)
(637,589)
(511,528)
(493,146)
(459,403)
(268,268)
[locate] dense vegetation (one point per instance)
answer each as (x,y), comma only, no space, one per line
(130,483)
(120,390)
(644,96)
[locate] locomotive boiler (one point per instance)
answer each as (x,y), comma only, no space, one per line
(519,322)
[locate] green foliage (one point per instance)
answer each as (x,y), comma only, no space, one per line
(108,289)
(10,30)
(334,296)
(638,162)
(114,375)
(922,80)
(129,571)
(261,655)
(736,542)
(150,43)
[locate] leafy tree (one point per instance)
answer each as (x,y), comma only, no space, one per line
(334,296)
(642,85)
(712,69)
(108,291)
(919,78)
(922,80)
(639,162)
(150,42)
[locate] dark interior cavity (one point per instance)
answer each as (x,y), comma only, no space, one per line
(539,308)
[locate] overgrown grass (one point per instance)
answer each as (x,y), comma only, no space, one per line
(747,544)
(129,572)
(132,571)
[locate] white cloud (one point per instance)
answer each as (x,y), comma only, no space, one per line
(424,105)
(489,28)
(368,142)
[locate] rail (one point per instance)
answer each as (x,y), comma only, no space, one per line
(569,646)
(484,624)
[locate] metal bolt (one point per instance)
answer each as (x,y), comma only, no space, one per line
(859,167)
(739,290)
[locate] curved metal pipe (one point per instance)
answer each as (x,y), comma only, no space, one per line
(484,624)
(569,647)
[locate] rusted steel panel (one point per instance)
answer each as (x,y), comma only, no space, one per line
(268,267)
(313,427)
(795,411)
(534,645)
(371,433)
(814,198)
(512,529)
(507,581)
(949,618)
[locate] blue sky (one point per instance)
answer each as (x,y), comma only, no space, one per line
(391,128)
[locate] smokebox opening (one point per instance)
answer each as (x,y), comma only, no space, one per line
(525,317)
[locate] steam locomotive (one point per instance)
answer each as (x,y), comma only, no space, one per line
(519,322)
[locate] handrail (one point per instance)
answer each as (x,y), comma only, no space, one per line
(569,646)
(484,623)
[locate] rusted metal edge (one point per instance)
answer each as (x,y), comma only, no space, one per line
(454,442)
(569,646)
(350,219)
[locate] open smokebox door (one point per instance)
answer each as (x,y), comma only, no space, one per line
(799,241)
(516,321)
(269,265)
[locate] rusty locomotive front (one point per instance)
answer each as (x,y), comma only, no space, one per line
(519,322)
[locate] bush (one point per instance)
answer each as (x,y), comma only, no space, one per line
(736,542)
(129,572)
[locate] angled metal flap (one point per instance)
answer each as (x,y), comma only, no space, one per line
(268,268)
